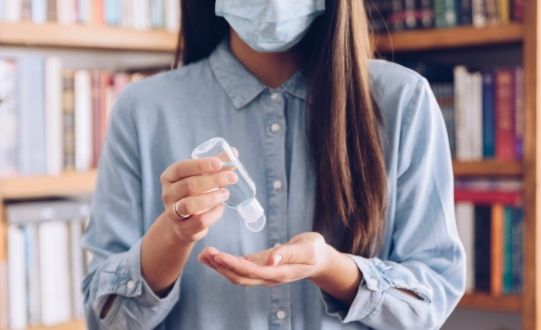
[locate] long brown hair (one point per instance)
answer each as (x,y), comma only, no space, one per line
(344,122)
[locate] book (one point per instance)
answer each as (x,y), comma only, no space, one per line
(157,13)
(8,118)
(112,12)
(77,267)
(30,127)
(517,258)
(425,14)
(98,12)
(507,278)
(519,7)
(491,12)
(475,117)
(51,11)
(465,12)
(32,274)
(13,10)
(83,120)
(127,13)
(482,248)
(409,14)
(66,11)
(479,18)
(465,218)
(396,19)
(17,289)
(445,13)
(39,11)
(84,11)
(504,12)
(497,249)
(140,14)
(68,104)
(54,116)
(488,197)
(505,127)
(489,120)
(519,112)
(55,278)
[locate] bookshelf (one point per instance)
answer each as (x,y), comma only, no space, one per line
(527,35)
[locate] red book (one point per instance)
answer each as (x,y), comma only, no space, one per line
(518,10)
(98,12)
(488,197)
(505,114)
(96,105)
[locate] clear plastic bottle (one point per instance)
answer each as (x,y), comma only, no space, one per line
(242,194)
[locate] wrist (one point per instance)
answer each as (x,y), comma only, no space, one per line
(327,261)
(173,236)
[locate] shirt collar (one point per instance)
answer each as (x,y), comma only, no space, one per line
(240,85)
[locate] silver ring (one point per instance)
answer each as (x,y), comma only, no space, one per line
(178,213)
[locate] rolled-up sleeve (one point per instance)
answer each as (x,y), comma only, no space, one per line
(426,258)
(114,236)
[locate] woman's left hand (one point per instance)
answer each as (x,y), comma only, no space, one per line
(304,256)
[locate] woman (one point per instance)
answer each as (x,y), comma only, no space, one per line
(350,158)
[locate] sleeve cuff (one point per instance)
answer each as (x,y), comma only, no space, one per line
(122,277)
(368,297)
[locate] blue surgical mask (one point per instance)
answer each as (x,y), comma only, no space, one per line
(270,25)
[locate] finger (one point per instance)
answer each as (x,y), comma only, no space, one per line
(199,184)
(249,269)
(236,278)
(194,205)
(203,221)
(190,167)
(297,253)
(207,252)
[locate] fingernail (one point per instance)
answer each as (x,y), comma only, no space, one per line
(218,261)
(215,164)
(231,177)
(225,194)
(277,259)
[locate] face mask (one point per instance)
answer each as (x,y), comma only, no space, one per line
(270,25)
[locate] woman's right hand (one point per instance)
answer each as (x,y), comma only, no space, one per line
(195,188)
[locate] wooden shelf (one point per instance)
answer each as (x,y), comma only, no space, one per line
(68,184)
(483,301)
(416,40)
(86,37)
(74,325)
(488,168)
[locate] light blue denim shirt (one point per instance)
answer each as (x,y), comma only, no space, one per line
(160,120)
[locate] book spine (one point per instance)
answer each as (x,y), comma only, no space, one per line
(68,120)
(157,14)
(504,12)
(461,122)
(518,10)
(491,10)
(26,10)
(112,8)
(426,9)
(505,135)
(13,10)
(482,248)
(410,19)
(31,126)
(39,11)
(83,120)
(479,18)
(53,116)
(8,118)
(51,11)
(32,273)
(127,13)
(446,15)
(476,117)
(518,255)
(96,108)
(17,288)
(488,115)
(397,17)
(465,217)
(508,251)
(465,12)
(496,250)
(98,12)
(519,113)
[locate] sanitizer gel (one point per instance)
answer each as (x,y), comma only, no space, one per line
(242,194)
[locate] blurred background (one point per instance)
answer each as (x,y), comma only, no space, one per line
(63,63)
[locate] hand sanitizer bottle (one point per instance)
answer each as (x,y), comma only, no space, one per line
(242,194)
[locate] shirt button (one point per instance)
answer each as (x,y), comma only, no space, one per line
(275,127)
(275,96)
(130,285)
(281,314)
(277,184)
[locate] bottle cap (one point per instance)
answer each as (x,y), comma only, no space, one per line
(253,215)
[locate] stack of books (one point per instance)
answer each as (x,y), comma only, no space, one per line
(483,109)
(46,264)
(135,14)
(398,15)
(53,119)
(490,222)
